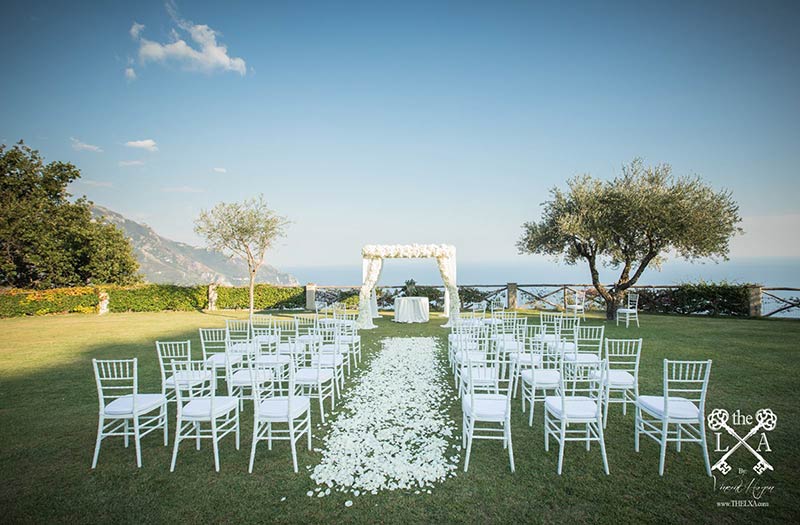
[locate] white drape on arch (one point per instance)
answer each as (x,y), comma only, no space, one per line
(372,264)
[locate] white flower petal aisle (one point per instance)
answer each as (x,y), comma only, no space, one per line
(393,432)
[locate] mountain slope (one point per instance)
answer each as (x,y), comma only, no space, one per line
(166,261)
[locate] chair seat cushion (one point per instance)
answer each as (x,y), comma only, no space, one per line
(218,360)
(277,408)
(491,407)
(679,408)
(328,360)
(547,338)
(332,349)
(462,357)
(123,406)
(273,359)
(526,358)
(266,339)
(350,339)
(480,375)
(582,358)
(620,378)
(242,347)
(308,338)
(626,310)
(542,377)
(189,378)
(312,375)
(244,377)
(200,408)
(575,407)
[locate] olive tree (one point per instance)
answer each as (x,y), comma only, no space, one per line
(245,230)
(633,221)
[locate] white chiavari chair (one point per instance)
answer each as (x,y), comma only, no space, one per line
(123,411)
(622,356)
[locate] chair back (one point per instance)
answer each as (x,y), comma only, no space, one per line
(284,328)
(169,351)
(586,380)
(261,324)
(238,330)
(267,384)
(624,354)
(589,339)
(116,378)
(212,341)
(579,298)
(192,381)
(491,372)
(633,301)
(305,323)
(687,379)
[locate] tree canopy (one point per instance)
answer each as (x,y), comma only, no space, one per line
(632,221)
(246,230)
(45,239)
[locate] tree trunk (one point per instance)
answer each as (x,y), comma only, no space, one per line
(612,304)
(252,291)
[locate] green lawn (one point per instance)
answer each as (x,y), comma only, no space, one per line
(48,405)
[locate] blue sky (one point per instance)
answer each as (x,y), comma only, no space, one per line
(405,122)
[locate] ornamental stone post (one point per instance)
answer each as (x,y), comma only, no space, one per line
(212,296)
(511,296)
(754,300)
(311,296)
(102,304)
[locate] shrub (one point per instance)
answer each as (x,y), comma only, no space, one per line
(157,297)
(715,299)
(470,296)
(15,302)
(265,296)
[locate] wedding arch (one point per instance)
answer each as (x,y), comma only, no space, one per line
(372,264)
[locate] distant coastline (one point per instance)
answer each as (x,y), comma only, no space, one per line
(768,271)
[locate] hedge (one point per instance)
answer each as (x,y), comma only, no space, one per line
(265,296)
(15,302)
(156,298)
(715,299)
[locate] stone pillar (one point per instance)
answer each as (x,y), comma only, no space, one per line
(754,300)
(311,296)
(212,296)
(102,305)
(511,296)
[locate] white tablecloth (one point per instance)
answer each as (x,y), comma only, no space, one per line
(411,310)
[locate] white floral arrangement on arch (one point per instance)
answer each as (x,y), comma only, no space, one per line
(391,251)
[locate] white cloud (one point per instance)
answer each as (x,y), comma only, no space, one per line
(96,183)
(130,73)
(129,163)
(77,145)
(182,189)
(207,56)
(220,170)
(148,144)
(766,236)
(136,28)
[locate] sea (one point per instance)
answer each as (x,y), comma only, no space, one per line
(767,271)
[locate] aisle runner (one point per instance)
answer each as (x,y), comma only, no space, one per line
(393,433)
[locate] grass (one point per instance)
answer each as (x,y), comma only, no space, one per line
(48,411)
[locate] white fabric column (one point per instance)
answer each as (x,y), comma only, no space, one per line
(374,296)
(447,268)
(371,270)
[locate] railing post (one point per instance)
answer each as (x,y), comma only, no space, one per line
(212,296)
(311,296)
(511,296)
(565,298)
(754,300)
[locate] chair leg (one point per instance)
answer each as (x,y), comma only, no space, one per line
(165,415)
(197,435)
(605,408)
(99,439)
(510,445)
(214,443)
(321,408)
(236,415)
(602,446)
(253,447)
(705,446)
(292,442)
(175,447)
(637,424)
(127,431)
(561,445)
(137,441)
(663,455)
(678,441)
(470,425)
(308,427)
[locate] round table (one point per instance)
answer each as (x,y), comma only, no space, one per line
(411,310)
